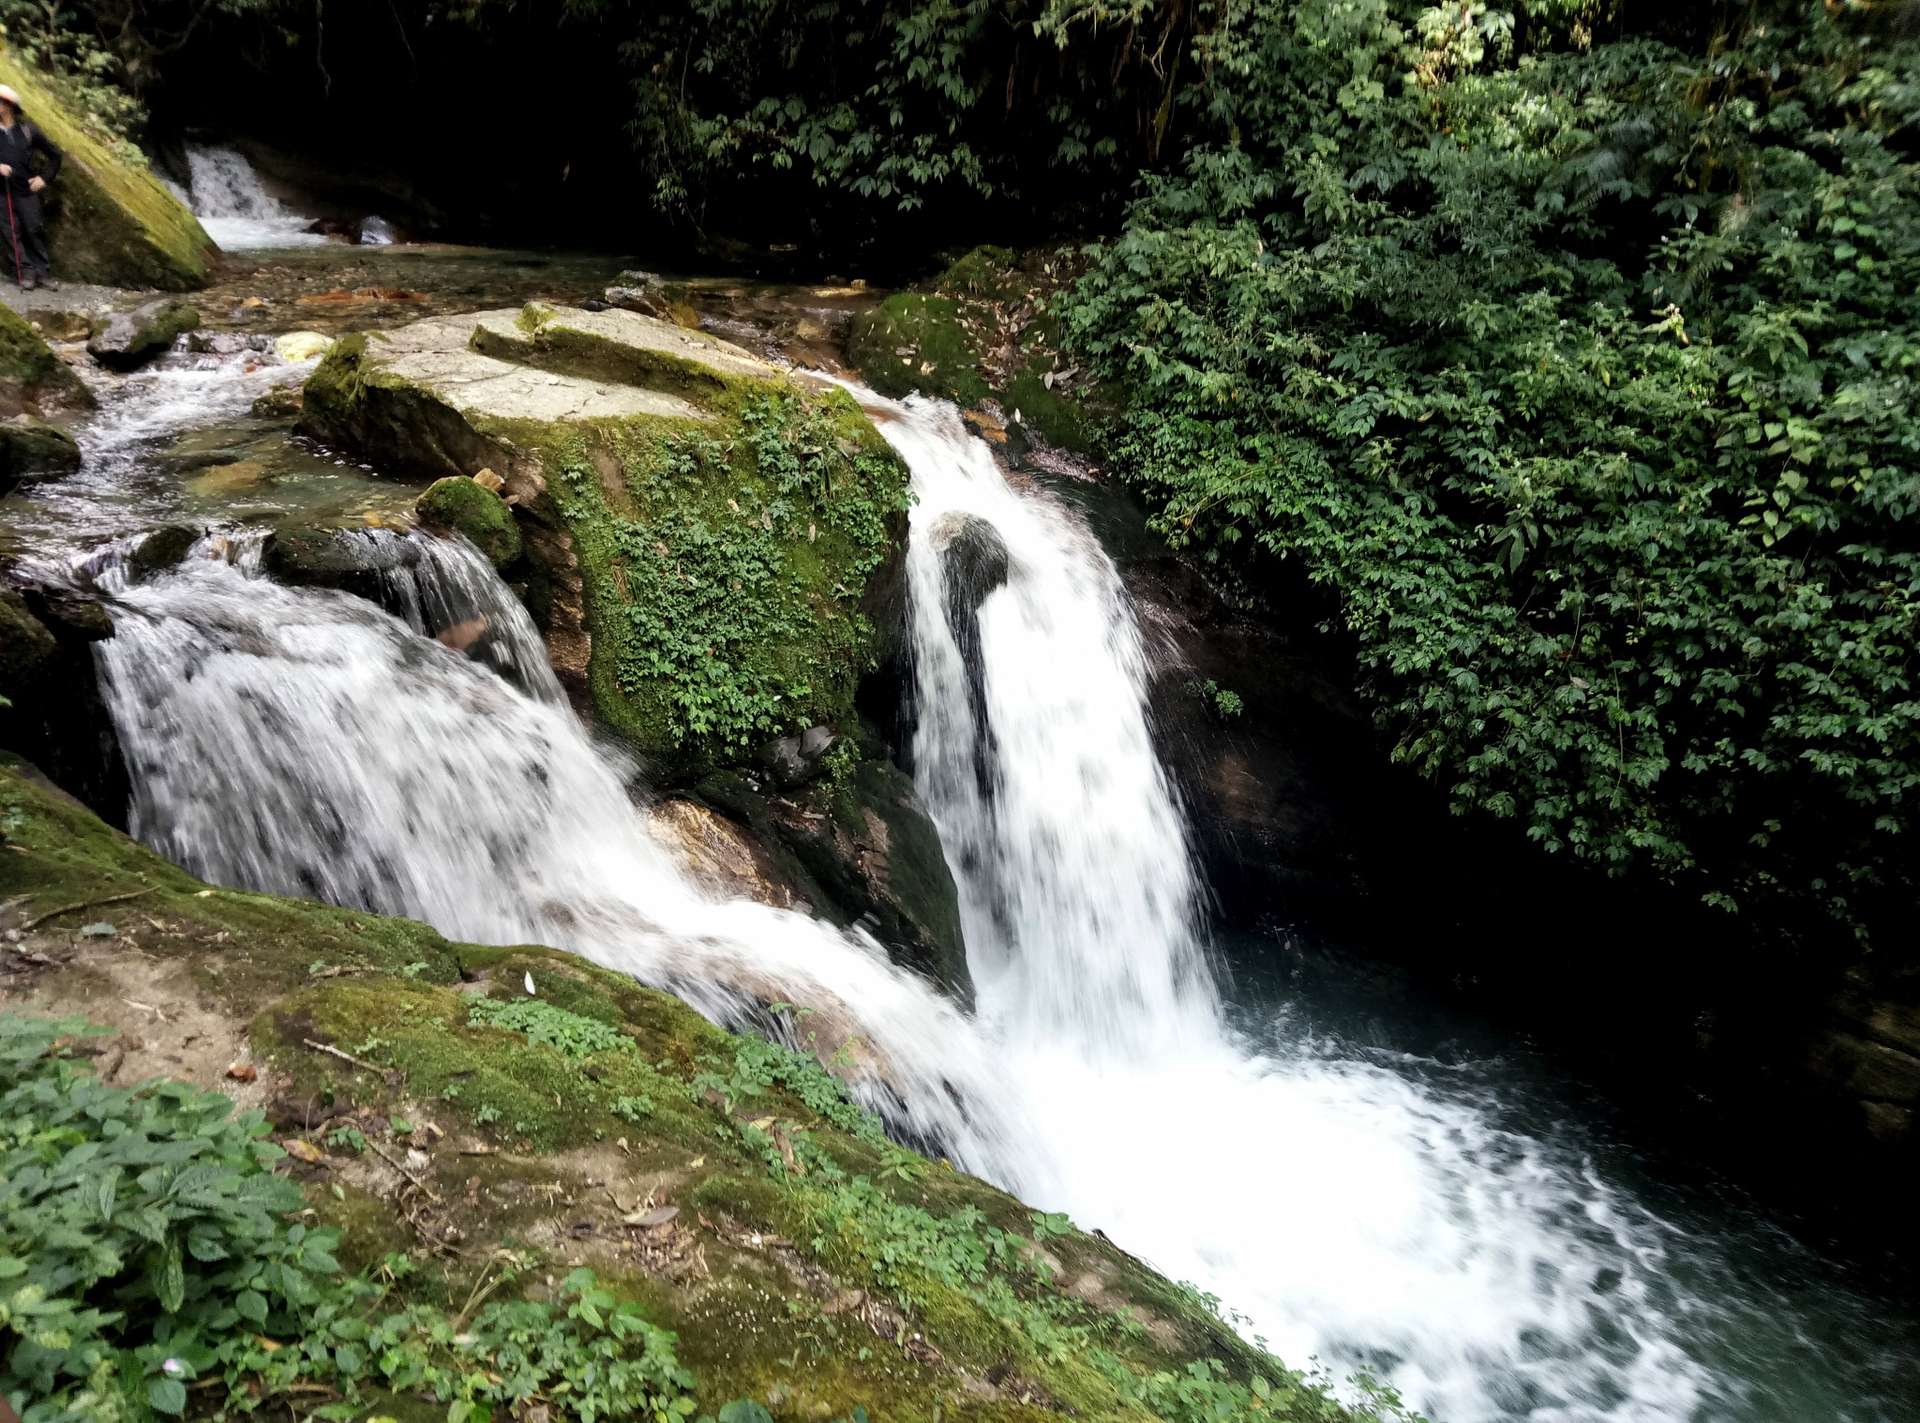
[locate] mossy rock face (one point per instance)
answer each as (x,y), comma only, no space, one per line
(31,449)
(431,1106)
(132,338)
(109,219)
(914,341)
(25,644)
(460,505)
(980,331)
(32,377)
(724,521)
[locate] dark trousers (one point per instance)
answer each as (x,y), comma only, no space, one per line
(29,230)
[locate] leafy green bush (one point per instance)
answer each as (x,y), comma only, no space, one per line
(1578,366)
(148,1254)
(141,1236)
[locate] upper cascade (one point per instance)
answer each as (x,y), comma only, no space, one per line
(234,206)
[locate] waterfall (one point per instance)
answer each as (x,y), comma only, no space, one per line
(235,208)
(1347,1211)
(1365,1208)
(307,742)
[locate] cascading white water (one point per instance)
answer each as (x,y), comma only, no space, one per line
(307,742)
(1346,1212)
(1352,1206)
(236,209)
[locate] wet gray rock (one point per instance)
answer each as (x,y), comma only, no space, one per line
(162,549)
(352,561)
(795,760)
(132,338)
(973,562)
(859,849)
(227,343)
(973,559)
(281,403)
(31,449)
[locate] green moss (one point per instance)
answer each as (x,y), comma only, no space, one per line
(109,220)
(26,646)
(987,271)
(29,370)
(1055,418)
(459,505)
(916,342)
(249,948)
(723,564)
(725,545)
(981,330)
(25,357)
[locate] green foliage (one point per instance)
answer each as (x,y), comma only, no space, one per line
(1583,379)
(888,104)
(141,1236)
(1226,703)
(147,1253)
(742,562)
(756,1066)
(571,1034)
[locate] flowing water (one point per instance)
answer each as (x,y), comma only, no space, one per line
(236,209)
(1355,1201)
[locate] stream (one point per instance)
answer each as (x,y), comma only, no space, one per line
(1446,1220)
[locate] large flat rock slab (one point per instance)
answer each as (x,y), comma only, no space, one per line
(481,385)
(633,347)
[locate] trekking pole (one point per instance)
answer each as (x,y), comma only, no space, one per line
(13,231)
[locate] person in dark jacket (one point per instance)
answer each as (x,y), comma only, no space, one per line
(28,162)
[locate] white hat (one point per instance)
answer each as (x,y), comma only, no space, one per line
(9,96)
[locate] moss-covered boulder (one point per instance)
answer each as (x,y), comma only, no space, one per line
(25,645)
(430,1108)
(722,519)
(919,341)
(980,331)
(109,219)
(132,338)
(31,449)
(459,505)
(32,377)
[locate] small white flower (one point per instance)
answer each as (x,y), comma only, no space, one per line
(172,1366)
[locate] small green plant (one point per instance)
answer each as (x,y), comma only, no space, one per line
(571,1034)
(633,1108)
(1224,701)
(533,317)
(759,1065)
(347,1138)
